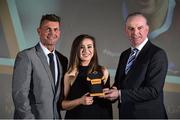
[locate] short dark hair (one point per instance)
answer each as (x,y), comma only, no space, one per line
(50,17)
(136,14)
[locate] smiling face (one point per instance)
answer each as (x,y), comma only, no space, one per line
(86,51)
(136,29)
(49,33)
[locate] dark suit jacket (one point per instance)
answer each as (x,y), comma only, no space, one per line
(142,88)
(33,90)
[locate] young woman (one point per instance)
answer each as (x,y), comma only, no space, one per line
(77,99)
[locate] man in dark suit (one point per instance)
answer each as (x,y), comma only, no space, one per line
(140,76)
(36,87)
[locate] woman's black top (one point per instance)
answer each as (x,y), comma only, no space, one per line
(100,109)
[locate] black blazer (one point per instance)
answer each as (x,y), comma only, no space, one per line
(142,88)
(64,63)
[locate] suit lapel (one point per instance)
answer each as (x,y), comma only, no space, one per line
(60,73)
(143,52)
(43,59)
(140,57)
(126,57)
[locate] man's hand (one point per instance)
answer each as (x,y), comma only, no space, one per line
(111,94)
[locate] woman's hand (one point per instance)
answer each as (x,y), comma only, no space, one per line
(86,99)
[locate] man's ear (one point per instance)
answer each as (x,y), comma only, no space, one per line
(38,31)
(147,28)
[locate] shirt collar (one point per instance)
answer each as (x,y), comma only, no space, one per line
(45,50)
(141,45)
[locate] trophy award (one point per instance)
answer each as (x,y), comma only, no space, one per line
(95,81)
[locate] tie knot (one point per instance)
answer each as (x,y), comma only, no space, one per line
(135,50)
(50,55)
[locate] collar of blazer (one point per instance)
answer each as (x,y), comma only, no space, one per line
(43,59)
(140,58)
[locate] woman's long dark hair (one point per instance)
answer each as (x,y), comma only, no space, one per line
(75,61)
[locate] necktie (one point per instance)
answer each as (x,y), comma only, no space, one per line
(131,59)
(51,64)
